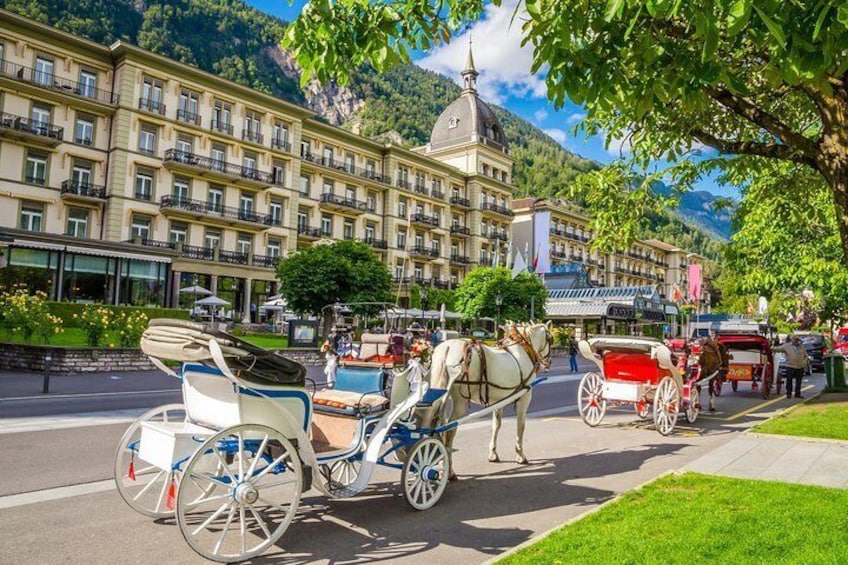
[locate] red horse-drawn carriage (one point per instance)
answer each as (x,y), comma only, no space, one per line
(751,360)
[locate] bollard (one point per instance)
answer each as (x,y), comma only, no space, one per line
(46,385)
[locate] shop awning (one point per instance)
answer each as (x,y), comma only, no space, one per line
(116,254)
(576,310)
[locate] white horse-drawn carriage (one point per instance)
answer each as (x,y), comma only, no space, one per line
(232,462)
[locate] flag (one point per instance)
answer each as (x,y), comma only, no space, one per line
(676,294)
(695,282)
(519,265)
(536,257)
(495,256)
(508,263)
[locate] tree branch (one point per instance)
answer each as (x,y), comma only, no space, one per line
(748,110)
(772,150)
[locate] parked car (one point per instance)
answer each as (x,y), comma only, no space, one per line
(817,347)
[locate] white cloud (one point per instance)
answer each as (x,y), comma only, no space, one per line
(575,118)
(540,115)
(504,65)
(617,146)
(558,134)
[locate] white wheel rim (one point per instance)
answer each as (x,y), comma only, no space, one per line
(341,474)
(666,404)
(258,486)
(693,408)
(147,493)
(590,399)
(425,473)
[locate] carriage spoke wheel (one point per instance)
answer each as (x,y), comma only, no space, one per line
(666,405)
(147,489)
(590,399)
(693,405)
(425,473)
(259,479)
(341,474)
(767,382)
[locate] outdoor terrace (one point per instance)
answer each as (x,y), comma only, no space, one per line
(51,82)
(211,253)
(20,128)
(80,191)
(209,210)
(207,166)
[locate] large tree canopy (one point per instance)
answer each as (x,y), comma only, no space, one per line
(760,78)
(345,271)
(476,295)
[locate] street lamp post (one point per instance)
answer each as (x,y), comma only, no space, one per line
(422,294)
(498,302)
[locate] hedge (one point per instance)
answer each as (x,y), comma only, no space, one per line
(66,311)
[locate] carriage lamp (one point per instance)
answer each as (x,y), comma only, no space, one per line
(422,294)
(498,302)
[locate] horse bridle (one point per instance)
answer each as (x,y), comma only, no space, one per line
(538,360)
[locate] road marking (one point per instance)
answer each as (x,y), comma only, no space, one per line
(63,421)
(763,405)
(49,396)
(58,493)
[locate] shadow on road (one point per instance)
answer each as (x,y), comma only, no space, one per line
(379,526)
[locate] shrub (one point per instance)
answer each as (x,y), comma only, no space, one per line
(66,311)
(128,327)
(28,314)
(95,321)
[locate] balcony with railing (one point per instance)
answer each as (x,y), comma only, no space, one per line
(152,105)
(339,203)
(421,189)
(344,167)
(497,209)
(233,257)
(210,253)
(460,259)
(496,233)
(188,117)
(403,184)
(252,135)
(221,127)
(557,254)
(207,166)
(281,143)
(52,82)
(376,243)
(211,211)
(462,231)
(437,194)
(460,201)
(19,128)
(306,232)
(82,191)
(423,251)
(424,219)
(266,261)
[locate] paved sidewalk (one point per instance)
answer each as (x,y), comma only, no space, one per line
(779,458)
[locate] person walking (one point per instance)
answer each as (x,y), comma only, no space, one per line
(436,337)
(572,355)
(796,362)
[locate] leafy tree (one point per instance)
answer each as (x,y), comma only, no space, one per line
(762,78)
(476,295)
(435,298)
(345,271)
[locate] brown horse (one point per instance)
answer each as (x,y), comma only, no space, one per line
(713,362)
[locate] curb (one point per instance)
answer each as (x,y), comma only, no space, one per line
(784,412)
(805,439)
(539,537)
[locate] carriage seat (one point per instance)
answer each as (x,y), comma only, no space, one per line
(377,349)
(358,391)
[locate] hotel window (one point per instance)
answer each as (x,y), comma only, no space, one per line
(249,163)
(221,117)
(369,232)
(437,246)
(302,221)
(305,148)
(370,168)
(36,168)
(147,138)
(419,239)
(350,163)
(401,239)
(419,179)
(328,156)
(88,83)
(143,184)
(244,244)
(77,222)
(305,184)
(276,212)
(278,172)
(437,185)
(32,215)
(350,193)
(178,233)
(280,139)
(403,176)
(140,227)
(252,127)
(185,144)
(215,199)
(329,187)
(187,111)
(2,51)
(402,207)
(246,203)
(151,96)
(273,248)
(43,71)
(418,272)
(40,118)
(81,175)
(219,156)
(454,249)
(371,202)
(212,239)
(181,190)
(84,132)
(348,229)
(399,270)
(327,226)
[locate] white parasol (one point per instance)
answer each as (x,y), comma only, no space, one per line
(212,302)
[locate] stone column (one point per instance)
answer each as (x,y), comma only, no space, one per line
(175,289)
(214,285)
(248,284)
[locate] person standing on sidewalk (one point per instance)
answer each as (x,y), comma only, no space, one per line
(572,355)
(796,362)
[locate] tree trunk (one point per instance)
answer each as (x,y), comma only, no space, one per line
(839,186)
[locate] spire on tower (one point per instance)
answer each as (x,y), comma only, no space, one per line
(470,74)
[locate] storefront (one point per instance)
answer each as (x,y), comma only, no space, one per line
(592,311)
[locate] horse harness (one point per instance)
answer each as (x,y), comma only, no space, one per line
(513,337)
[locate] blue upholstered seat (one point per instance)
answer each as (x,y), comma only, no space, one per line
(359,379)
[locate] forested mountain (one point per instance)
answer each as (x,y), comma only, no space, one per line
(240,43)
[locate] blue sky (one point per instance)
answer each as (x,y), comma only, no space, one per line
(505,79)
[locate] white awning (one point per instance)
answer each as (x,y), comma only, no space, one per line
(117,254)
(575,309)
(37,244)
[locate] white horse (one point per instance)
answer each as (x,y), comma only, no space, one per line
(484,375)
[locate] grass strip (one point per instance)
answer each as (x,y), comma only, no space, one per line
(823,417)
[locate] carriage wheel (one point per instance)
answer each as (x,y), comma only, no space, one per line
(259,481)
(779,384)
(734,385)
(643,409)
(590,399)
(341,474)
(767,382)
(666,405)
(716,386)
(693,406)
(144,487)
(425,473)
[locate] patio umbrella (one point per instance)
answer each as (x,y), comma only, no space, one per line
(442,319)
(212,302)
(196,290)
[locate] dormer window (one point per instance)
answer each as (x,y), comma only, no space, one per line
(453,122)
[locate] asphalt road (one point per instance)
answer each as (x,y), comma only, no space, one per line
(57,502)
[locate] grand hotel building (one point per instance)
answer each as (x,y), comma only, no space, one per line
(125,176)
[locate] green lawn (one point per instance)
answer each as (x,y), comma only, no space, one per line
(270,341)
(75,337)
(694,518)
(825,416)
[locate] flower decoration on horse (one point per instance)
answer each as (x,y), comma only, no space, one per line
(327,348)
(421,350)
